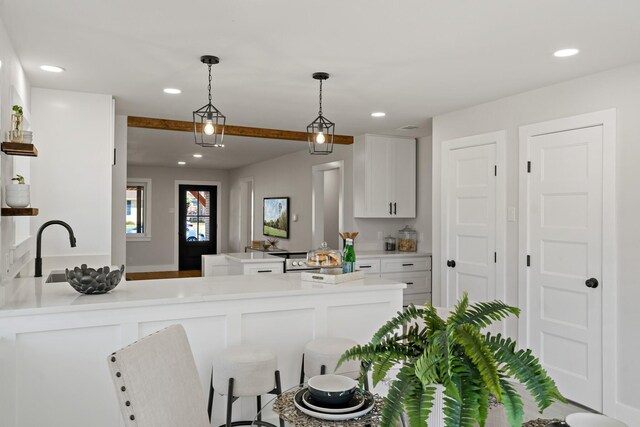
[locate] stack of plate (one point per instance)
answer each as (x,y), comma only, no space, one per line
(334,398)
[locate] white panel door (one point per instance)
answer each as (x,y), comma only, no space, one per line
(565,245)
(377,162)
(404,175)
(471,223)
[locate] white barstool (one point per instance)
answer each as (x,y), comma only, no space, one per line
(592,420)
(244,371)
(321,357)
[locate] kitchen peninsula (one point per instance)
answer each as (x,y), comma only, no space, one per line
(54,342)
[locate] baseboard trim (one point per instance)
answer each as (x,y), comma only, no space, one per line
(150,268)
(627,414)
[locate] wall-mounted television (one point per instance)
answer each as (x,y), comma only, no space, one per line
(275,217)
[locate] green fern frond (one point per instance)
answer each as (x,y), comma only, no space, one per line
(372,353)
(426,367)
(382,366)
(418,404)
(482,314)
(394,401)
(472,341)
(524,366)
(403,317)
(433,322)
(512,403)
(462,413)
(460,307)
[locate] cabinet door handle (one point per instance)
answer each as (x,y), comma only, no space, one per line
(389,208)
(409,283)
(394,208)
(365,266)
(265,271)
(407,265)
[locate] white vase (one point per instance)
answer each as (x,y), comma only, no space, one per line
(436,417)
(17,195)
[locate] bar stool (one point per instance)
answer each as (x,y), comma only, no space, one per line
(321,357)
(244,371)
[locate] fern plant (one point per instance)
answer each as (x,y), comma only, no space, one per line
(455,353)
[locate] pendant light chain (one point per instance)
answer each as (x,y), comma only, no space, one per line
(320,111)
(210,83)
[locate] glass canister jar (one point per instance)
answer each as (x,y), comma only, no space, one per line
(389,244)
(407,240)
(324,257)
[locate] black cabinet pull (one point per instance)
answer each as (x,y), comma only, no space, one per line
(451,263)
(409,283)
(365,266)
(265,271)
(394,208)
(407,265)
(389,208)
(591,283)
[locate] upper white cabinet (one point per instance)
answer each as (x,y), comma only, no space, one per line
(384,172)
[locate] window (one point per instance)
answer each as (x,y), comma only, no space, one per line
(138,206)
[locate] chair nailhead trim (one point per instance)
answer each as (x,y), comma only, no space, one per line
(127,403)
(123,388)
(118,374)
(113,359)
(132,418)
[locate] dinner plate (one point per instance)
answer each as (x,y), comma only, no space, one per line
(356,403)
(369,403)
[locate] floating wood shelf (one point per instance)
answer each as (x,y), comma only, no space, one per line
(19,149)
(19,211)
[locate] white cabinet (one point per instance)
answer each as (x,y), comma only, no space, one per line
(267,267)
(412,269)
(384,172)
(231,264)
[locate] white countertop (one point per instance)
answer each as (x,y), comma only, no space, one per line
(28,296)
(385,254)
(249,257)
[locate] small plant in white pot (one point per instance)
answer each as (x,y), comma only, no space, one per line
(17,193)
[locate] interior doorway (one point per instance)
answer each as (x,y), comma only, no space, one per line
(327,202)
(246,212)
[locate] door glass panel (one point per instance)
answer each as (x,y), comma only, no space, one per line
(191,225)
(198,216)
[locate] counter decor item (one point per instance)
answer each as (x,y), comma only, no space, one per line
(16,124)
(273,243)
(332,389)
(332,276)
(348,235)
(349,257)
(451,367)
(17,193)
(91,281)
(275,217)
(389,244)
(407,240)
(257,244)
(326,258)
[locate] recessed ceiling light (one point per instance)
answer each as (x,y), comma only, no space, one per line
(172,91)
(563,53)
(51,68)
(182,163)
(378,114)
(197,156)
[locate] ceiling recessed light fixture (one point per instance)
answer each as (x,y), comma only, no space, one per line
(197,156)
(172,91)
(378,114)
(208,121)
(563,53)
(182,163)
(51,68)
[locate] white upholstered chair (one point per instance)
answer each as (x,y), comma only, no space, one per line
(157,383)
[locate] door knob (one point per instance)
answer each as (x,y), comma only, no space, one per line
(591,283)
(451,263)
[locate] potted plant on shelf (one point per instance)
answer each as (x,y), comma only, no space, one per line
(17,193)
(449,368)
(16,135)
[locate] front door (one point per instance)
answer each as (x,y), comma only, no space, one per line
(470,239)
(565,246)
(197,228)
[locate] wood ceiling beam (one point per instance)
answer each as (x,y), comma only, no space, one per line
(182,126)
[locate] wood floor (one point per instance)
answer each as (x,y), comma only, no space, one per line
(163,275)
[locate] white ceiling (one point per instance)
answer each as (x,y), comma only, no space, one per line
(412,59)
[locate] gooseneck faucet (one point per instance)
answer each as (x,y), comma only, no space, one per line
(72,240)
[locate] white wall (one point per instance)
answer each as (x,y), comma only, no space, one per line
(71,177)
(118,193)
(620,89)
(14,88)
(291,176)
(159,253)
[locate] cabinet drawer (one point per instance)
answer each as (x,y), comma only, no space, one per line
(263,268)
(369,266)
(417,282)
(416,299)
(404,264)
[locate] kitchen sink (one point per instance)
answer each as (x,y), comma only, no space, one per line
(56,277)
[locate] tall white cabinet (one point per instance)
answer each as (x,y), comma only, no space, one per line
(384,177)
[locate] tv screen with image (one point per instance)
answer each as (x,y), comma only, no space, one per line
(275,217)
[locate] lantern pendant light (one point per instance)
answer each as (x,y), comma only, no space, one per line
(208,121)
(320,131)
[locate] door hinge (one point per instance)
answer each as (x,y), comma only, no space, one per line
(495,257)
(495,170)
(528,260)
(529,167)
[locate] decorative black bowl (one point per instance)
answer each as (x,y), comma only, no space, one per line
(91,281)
(332,390)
